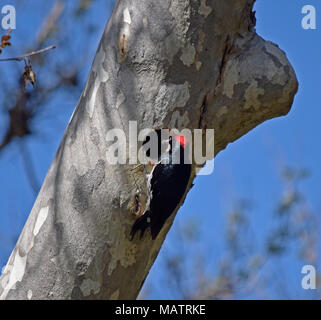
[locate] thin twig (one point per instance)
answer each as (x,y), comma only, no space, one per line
(29,54)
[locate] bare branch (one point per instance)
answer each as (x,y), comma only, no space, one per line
(29,54)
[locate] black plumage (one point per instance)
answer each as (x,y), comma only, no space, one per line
(166,186)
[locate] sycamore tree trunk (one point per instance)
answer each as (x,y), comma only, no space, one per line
(169,63)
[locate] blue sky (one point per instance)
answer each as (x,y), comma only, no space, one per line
(248,168)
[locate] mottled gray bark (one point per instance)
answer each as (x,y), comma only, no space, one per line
(169,63)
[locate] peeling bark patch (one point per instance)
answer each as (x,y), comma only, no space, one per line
(130,255)
(171,47)
(188,55)
(276,61)
(42,216)
(13,273)
(275,53)
(198,65)
(279,91)
(16,266)
(125,255)
(180,12)
(274,69)
(85,185)
(252,96)
(101,76)
(89,286)
(204,10)
(230,79)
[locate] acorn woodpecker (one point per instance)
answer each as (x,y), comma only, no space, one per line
(166,185)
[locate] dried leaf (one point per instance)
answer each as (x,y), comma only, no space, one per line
(28,76)
(5,40)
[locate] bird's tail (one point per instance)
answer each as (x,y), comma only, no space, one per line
(141,224)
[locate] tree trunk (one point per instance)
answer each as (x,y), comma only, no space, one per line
(170,63)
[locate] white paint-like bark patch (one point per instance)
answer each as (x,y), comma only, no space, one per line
(42,216)
(204,10)
(101,76)
(120,100)
(145,22)
(16,266)
(88,286)
(29,294)
(188,55)
(127,18)
(13,273)
(125,31)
